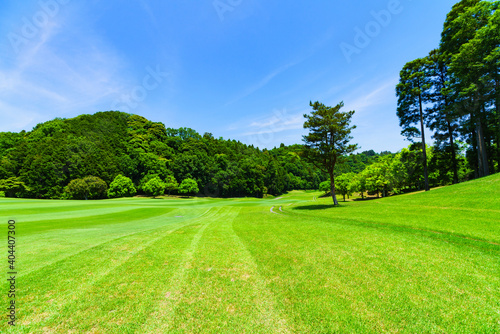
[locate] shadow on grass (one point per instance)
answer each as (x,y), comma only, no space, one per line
(366,199)
(316,207)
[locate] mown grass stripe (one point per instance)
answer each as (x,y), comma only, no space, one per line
(444,235)
(75,252)
(161,319)
(95,220)
(129,289)
(314,269)
(92,261)
(346,278)
(273,319)
(226,293)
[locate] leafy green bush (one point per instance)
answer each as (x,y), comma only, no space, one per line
(171,184)
(121,186)
(154,187)
(90,187)
(325,186)
(189,187)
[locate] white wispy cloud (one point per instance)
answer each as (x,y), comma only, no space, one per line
(275,121)
(371,95)
(276,125)
(60,72)
(262,83)
(147,8)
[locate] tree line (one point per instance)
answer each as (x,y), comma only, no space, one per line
(114,154)
(455,91)
(402,172)
(56,159)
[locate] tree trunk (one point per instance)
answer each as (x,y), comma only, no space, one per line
(481,151)
(332,189)
(497,107)
(424,149)
(474,145)
(453,154)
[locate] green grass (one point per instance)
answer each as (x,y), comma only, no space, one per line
(416,263)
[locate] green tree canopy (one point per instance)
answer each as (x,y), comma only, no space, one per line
(328,140)
(325,186)
(188,186)
(97,187)
(412,92)
(90,187)
(344,184)
(121,186)
(359,184)
(77,189)
(12,186)
(171,184)
(154,187)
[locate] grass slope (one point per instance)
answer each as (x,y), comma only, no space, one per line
(427,262)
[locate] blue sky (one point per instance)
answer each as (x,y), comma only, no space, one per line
(240,69)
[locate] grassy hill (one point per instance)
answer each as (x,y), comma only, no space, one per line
(426,262)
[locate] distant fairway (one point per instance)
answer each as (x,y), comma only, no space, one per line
(426,262)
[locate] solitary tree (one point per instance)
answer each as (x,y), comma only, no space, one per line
(412,90)
(328,139)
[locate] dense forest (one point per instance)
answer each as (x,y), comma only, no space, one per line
(42,163)
(455,90)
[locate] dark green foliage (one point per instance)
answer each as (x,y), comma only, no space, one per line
(113,143)
(459,84)
(77,189)
(97,187)
(90,187)
(121,186)
(325,186)
(12,187)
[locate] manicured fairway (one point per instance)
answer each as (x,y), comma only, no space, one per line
(426,262)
